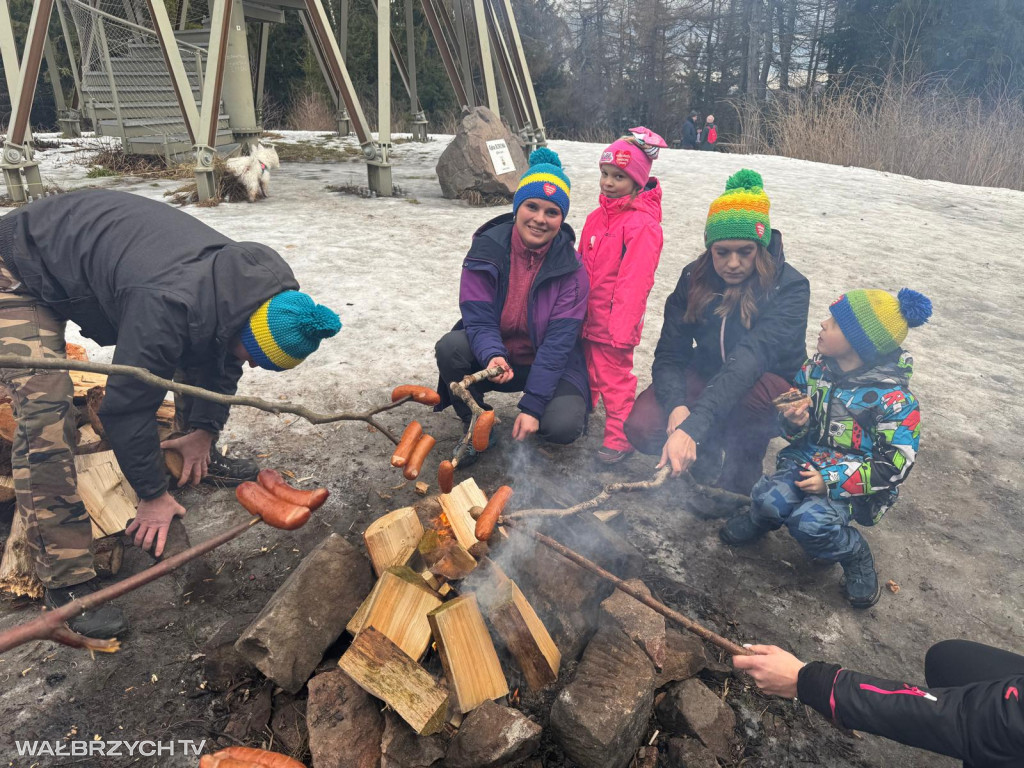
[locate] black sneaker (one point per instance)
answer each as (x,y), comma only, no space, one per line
(740,531)
(229,472)
(861,581)
(103,623)
(607,455)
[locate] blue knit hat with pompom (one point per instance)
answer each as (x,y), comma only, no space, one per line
(876,322)
(286,329)
(544,180)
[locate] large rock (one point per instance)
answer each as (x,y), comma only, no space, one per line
(344,723)
(307,613)
(601,716)
(684,657)
(402,748)
(689,707)
(492,736)
(645,626)
(691,754)
(467,163)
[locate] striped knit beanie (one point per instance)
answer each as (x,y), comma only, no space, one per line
(286,329)
(876,322)
(545,180)
(741,212)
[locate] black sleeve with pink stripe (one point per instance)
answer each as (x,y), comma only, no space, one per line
(981,724)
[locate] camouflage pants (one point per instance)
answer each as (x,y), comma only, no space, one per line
(42,456)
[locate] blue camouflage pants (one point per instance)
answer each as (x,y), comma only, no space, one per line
(821,525)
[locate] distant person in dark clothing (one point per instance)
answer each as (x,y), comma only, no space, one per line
(709,135)
(690,131)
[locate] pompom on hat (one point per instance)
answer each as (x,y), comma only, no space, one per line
(286,329)
(876,322)
(634,154)
(741,212)
(545,180)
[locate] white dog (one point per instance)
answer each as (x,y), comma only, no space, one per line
(253,172)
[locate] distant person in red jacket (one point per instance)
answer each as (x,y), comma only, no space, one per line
(708,138)
(620,247)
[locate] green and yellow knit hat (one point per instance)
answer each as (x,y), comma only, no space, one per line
(741,212)
(286,329)
(876,322)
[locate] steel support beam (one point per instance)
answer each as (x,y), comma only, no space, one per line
(486,63)
(261,66)
(76,66)
(523,69)
(461,37)
(447,55)
(209,114)
(380,167)
(510,87)
(236,91)
(175,67)
(419,120)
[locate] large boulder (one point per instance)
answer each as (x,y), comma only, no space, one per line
(601,716)
(690,707)
(484,159)
(493,736)
(644,625)
(344,722)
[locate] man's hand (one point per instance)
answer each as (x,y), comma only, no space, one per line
(797,413)
(680,451)
(812,484)
(774,670)
(679,414)
(507,375)
(525,426)
(152,519)
(195,454)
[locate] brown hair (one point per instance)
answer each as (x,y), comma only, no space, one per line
(704,287)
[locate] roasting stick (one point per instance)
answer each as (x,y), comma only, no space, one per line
(686,623)
(283,406)
(461,390)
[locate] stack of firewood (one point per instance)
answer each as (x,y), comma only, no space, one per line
(415,606)
(109,499)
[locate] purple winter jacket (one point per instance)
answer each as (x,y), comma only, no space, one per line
(555,309)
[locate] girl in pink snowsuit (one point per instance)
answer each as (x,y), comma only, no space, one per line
(620,247)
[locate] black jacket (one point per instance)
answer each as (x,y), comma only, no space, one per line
(166,289)
(981,724)
(774,344)
(689,134)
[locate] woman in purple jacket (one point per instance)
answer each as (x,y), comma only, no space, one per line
(523,297)
(972,708)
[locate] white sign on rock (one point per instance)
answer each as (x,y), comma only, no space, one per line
(501,158)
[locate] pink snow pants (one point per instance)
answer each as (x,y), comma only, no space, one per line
(611,379)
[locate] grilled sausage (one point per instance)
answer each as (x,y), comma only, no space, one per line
(482,430)
(275,511)
(446,477)
(409,439)
(489,518)
(271,480)
(424,395)
(419,454)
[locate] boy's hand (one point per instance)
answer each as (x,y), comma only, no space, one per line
(774,670)
(797,413)
(812,484)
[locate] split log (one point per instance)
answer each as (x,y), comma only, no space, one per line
(467,654)
(307,613)
(380,668)
(525,635)
(89,441)
(455,562)
(456,506)
(18,568)
(109,498)
(397,607)
(388,535)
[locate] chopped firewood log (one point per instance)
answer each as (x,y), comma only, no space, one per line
(380,668)
(89,441)
(107,555)
(108,497)
(93,401)
(388,535)
(422,488)
(397,607)
(455,563)
(467,654)
(18,568)
(457,504)
(6,488)
(525,635)
(432,581)
(83,381)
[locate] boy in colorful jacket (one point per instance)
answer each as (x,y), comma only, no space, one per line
(853,438)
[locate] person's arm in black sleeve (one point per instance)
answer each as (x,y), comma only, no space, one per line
(151,335)
(981,723)
(784,318)
(675,349)
(206,414)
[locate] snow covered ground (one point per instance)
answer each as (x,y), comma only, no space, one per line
(954,543)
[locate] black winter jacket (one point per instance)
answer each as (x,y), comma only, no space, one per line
(689,134)
(167,290)
(981,724)
(775,344)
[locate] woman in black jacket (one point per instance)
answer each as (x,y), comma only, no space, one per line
(732,340)
(972,709)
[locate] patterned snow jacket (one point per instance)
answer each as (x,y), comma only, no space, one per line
(863,432)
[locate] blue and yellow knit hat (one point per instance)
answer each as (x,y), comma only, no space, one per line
(545,180)
(286,329)
(876,322)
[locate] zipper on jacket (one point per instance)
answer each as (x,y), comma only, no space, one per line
(721,340)
(908,691)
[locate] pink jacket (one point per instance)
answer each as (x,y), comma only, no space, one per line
(620,246)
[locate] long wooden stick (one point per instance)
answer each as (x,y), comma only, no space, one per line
(281,406)
(686,623)
(50,626)
(461,390)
